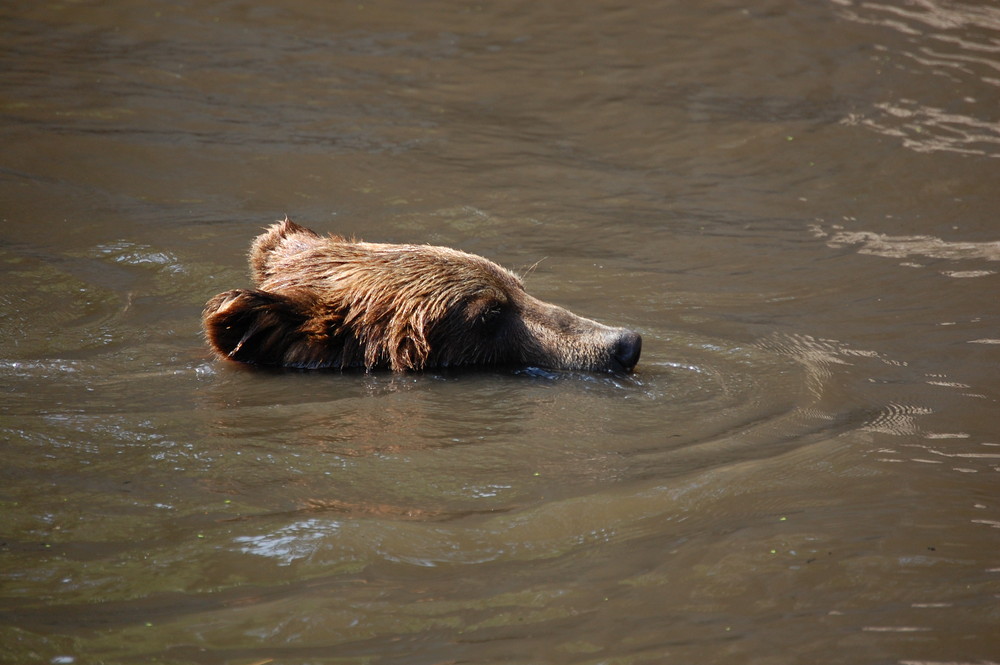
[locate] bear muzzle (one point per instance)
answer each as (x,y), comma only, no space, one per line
(627,350)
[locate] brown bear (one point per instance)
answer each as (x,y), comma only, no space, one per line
(331,302)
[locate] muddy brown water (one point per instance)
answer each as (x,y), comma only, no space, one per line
(795,203)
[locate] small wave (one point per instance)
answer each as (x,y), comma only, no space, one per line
(924,128)
(955,41)
(134,254)
(923,14)
(897,420)
(902,247)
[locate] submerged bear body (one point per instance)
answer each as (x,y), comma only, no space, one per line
(327,302)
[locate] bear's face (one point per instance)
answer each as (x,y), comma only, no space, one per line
(330,302)
(513,328)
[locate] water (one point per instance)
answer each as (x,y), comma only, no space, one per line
(793,202)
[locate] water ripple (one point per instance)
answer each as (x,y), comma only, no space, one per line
(956,41)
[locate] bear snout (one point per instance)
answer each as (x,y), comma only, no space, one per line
(627,349)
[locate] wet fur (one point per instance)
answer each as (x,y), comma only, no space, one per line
(324,301)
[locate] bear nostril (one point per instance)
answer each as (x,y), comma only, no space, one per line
(627,349)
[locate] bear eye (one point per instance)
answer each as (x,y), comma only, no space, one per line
(489,316)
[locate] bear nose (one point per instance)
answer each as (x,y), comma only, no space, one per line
(627,349)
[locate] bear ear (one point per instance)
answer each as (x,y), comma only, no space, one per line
(281,239)
(263,328)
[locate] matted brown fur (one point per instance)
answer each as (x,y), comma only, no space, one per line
(331,302)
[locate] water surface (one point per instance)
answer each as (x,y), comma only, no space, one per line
(794,203)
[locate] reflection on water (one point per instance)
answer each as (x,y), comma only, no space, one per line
(957,43)
(289,542)
(927,129)
(898,419)
(804,463)
(918,247)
